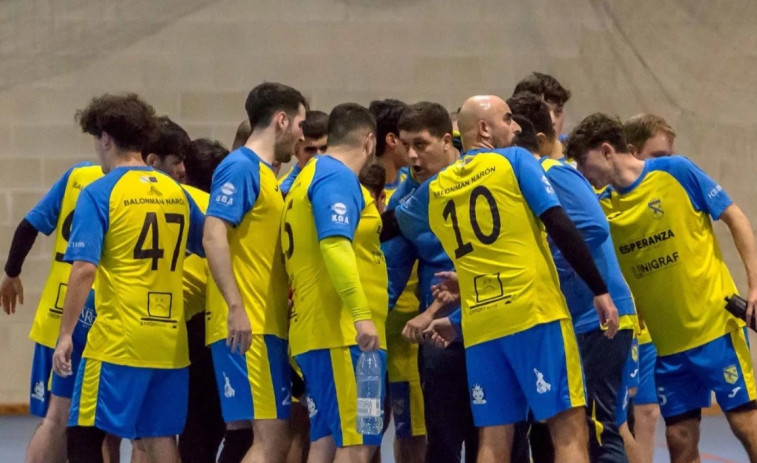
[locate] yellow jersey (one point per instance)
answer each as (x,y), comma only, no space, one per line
(245,193)
(55,212)
(669,254)
(135,225)
(485,210)
(327,200)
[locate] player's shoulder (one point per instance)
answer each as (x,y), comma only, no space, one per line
(327,169)
(197,194)
(674,164)
(240,158)
(406,188)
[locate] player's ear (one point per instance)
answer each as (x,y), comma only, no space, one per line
(483,130)
(151,159)
(391,140)
(606,149)
(282,120)
(632,149)
(447,140)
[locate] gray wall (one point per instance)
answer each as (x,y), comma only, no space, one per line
(692,62)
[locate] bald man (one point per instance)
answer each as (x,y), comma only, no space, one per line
(520,348)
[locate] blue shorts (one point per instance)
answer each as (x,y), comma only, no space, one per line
(407,408)
(538,368)
(685,380)
(130,402)
(257,385)
(646,392)
(630,381)
(331,393)
(43,380)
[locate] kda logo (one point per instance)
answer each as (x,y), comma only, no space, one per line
(339,213)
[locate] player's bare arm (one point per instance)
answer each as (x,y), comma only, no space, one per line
(743,238)
(216,245)
(79,285)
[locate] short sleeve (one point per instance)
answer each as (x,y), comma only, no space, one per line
(234,189)
(196,222)
(44,216)
(706,195)
(89,226)
(337,202)
(412,215)
(533,182)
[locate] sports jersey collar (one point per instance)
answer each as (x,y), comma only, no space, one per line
(251,154)
(132,168)
(636,182)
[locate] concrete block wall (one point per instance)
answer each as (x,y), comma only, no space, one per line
(195,60)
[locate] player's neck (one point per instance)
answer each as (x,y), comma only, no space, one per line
(126,159)
(262,143)
(390,169)
(349,156)
(626,170)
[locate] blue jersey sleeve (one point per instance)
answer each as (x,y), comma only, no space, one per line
(533,182)
(44,216)
(412,215)
(337,201)
(706,195)
(400,257)
(91,220)
(196,222)
(580,203)
(234,189)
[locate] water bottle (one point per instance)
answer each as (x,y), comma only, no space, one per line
(370,420)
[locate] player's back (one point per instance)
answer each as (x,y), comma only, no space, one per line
(478,210)
(319,320)
(55,212)
(143,216)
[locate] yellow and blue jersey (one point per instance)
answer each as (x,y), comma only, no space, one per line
(669,254)
(285,182)
(327,200)
(390,188)
(244,193)
(135,225)
(195,267)
(55,213)
(508,281)
(579,202)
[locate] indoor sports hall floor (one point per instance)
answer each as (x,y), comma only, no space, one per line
(718,444)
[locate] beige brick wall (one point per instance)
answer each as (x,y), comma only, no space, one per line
(196,59)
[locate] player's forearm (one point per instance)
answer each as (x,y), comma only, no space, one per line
(23,240)
(437,309)
(341,264)
(743,238)
(219,262)
(79,284)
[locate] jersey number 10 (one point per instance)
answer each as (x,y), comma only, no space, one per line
(450,211)
(155,252)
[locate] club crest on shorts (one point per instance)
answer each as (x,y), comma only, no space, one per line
(477,392)
(39,391)
(398,406)
(228,391)
(542,387)
(731,374)
(312,410)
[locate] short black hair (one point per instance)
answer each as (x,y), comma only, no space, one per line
(202,159)
(373,177)
(387,113)
(267,98)
(128,119)
(426,116)
(543,84)
(347,118)
(591,132)
(531,106)
(316,124)
(527,137)
(170,139)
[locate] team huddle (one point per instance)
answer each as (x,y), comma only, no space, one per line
(531,296)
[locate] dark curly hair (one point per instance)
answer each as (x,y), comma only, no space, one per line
(170,139)
(543,84)
(387,113)
(126,118)
(531,106)
(591,132)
